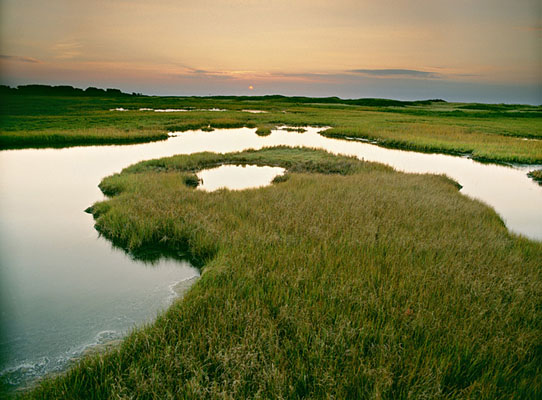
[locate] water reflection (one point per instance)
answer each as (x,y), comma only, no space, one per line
(255,111)
(62,287)
(170,110)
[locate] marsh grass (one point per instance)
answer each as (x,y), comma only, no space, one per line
(78,137)
(345,280)
(486,132)
(439,136)
(536,175)
(264,130)
(292,129)
(191,180)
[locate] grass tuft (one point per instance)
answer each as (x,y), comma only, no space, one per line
(536,175)
(264,130)
(191,180)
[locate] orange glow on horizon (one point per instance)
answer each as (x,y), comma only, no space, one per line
(343,48)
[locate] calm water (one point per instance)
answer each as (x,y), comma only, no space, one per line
(237,177)
(63,288)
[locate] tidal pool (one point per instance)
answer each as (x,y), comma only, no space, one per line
(255,111)
(170,110)
(237,177)
(63,288)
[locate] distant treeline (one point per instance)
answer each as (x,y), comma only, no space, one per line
(63,90)
(370,102)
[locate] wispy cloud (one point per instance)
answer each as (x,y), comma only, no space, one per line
(186,71)
(411,73)
(67,50)
(183,71)
(19,59)
(531,28)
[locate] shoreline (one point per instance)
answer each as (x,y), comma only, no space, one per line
(96,347)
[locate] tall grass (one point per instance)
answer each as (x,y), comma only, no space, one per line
(264,130)
(440,136)
(78,137)
(346,280)
(536,175)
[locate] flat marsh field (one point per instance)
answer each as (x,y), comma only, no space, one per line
(343,279)
(486,132)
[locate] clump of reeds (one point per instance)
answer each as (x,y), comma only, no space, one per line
(536,175)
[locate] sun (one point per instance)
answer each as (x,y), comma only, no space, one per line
(251,87)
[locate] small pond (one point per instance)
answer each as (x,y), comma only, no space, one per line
(237,177)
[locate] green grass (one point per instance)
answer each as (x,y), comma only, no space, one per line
(500,133)
(78,137)
(344,280)
(536,175)
(298,130)
(486,140)
(264,130)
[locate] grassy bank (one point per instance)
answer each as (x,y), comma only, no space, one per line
(501,133)
(78,137)
(344,280)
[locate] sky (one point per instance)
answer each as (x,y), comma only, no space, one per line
(462,50)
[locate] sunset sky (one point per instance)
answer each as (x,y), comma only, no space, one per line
(462,50)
